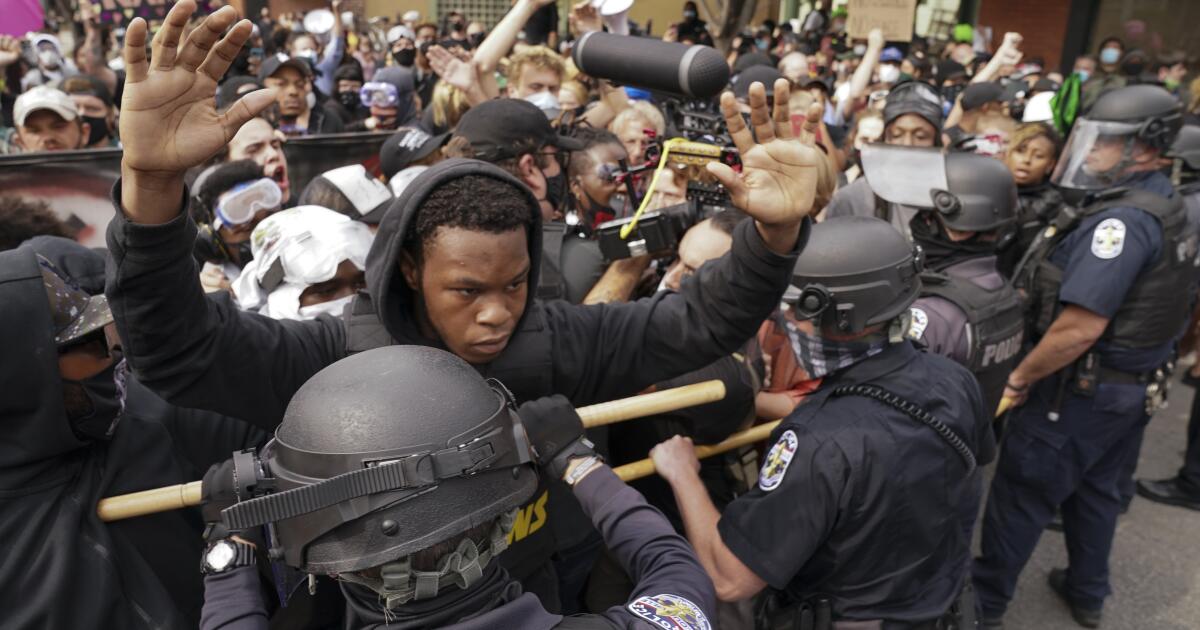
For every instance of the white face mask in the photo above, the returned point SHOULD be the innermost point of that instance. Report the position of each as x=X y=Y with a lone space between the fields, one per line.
x=888 y=73
x=311 y=99
x=860 y=50
x=546 y=102
x=332 y=307
x=48 y=59
x=308 y=53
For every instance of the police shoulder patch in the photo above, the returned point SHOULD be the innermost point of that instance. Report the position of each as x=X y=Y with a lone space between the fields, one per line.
x=917 y=323
x=1108 y=239
x=777 y=461
x=670 y=612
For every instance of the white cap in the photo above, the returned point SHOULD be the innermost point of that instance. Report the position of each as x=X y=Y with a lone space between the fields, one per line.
x=411 y=16
x=45 y=38
x=1038 y=109
x=395 y=33
x=43 y=97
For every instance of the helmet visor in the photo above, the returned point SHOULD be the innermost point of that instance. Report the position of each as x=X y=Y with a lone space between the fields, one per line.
x=242 y=202
x=1095 y=155
x=904 y=175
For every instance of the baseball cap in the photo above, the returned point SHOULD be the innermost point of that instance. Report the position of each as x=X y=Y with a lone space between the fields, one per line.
x=498 y=129
x=43 y=97
x=809 y=81
x=979 y=94
x=406 y=146
x=749 y=60
x=272 y=64
x=767 y=75
x=891 y=54
x=73 y=313
x=232 y=89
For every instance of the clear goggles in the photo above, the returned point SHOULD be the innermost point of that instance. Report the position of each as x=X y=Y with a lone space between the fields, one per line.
x=379 y=94
x=244 y=201
x=1096 y=155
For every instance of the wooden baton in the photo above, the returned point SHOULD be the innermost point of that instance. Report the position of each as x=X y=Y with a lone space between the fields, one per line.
x=188 y=494
x=645 y=467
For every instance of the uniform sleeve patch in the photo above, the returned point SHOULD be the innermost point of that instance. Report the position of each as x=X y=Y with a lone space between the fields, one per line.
x=1108 y=240
x=670 y=612
x=778 y=460
x=917 y=323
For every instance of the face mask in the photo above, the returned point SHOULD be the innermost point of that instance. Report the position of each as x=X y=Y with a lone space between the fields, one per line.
x=1083 y=75
x=1110 y=56
x=762 y=44
x=244 y=254
x=1133 y=68
x=405 y=57
x=546 y=102
x=556 y=188
x=105 y=393
x=888 y=73
x=308 y=54
x=860 y=50
x=1171 y=84
x=48 y=59
x=311 y=99
x=99 y=129
x=820 y=357
x=332 y=307
x=689 y=15
x=476 y=39
x=349 y=100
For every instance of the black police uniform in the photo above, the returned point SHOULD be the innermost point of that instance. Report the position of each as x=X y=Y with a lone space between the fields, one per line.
x=1036 y=206
x=201 y=351
x=1071 y=449
x=969 y=313
x=672 y=590
x=861 y=502
x=571 y=263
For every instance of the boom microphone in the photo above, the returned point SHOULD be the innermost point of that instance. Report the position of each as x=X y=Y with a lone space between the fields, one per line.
x=696 y=71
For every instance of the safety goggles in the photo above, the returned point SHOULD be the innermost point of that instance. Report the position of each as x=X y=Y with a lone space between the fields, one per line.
x=244 y=201
x=379 y=94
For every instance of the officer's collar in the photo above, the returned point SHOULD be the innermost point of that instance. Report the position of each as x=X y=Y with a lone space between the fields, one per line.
x=895 y=357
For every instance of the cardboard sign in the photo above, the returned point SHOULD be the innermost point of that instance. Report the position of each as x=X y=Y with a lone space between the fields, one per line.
x=122 y=12
x=895 y=17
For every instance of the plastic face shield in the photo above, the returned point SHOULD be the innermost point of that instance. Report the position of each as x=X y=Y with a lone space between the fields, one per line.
x=379 y=94
x=1095 y=155
x=244 y=201
x=904 y=175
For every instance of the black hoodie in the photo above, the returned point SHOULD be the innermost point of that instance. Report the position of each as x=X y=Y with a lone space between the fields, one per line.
x=201 y=351
x=61 y=567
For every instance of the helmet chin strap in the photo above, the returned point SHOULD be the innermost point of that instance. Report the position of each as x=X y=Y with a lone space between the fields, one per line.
x=400 y=584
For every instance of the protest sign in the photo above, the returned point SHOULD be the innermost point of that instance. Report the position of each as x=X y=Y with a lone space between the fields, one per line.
x=895 y=17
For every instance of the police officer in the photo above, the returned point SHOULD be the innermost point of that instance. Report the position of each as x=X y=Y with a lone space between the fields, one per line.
x=453 y=265
x=400 y=470
x=912 y=117
x=1105 y=285
x=1183 y=489
x=852 y=518
x=967 y=311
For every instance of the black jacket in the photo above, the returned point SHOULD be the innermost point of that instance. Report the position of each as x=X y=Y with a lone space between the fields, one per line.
x=201 y=351
x=62 y=567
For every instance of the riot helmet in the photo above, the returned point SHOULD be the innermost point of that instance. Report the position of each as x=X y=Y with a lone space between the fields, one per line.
x=853 y=273
x=387 y=453
x=1186 y=148
x=1115 y=135
x=970 y=192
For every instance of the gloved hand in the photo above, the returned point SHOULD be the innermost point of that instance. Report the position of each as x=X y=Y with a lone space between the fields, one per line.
x=556 y=433
x=217 y=493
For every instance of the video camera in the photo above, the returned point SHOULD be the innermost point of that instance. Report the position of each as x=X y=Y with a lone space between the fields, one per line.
x=657 y=232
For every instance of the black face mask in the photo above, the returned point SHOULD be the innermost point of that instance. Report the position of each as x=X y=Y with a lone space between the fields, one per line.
x=1133 y=68
x=940 y=251
x=476 y=39
x=556 y=189
x=405 y=57
x=99 y=129
x=349 y=100
x=94 y=405
x=244 y=254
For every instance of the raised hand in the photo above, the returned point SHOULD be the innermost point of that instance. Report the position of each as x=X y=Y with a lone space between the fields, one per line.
x=584 y=18
x=778 y=181
x=10 y=50
x=451 y=69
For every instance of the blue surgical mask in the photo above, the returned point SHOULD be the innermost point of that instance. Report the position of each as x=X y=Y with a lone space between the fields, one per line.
x=1083 y=75
x=1110 y=56
x=762 y=44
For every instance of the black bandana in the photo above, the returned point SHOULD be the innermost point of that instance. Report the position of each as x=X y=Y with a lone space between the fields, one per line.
x=493 y=590
x=940 y=251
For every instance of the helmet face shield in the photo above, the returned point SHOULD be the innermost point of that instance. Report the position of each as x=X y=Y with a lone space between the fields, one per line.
x=904 y=175
x=1097 y=154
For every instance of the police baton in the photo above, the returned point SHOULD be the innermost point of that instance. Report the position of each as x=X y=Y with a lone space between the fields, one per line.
x=189 y=494
x=645 y=467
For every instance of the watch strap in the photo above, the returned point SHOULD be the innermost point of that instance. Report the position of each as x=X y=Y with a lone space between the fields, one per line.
x=243 y=556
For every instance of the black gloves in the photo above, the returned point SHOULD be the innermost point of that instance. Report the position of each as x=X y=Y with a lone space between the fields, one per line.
x=556 y=433
x=217 y=493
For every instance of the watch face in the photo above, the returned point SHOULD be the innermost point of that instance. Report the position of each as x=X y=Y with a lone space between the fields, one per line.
x=220 y=555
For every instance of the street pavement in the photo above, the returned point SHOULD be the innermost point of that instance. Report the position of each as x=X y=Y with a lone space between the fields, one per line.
x=1155 y=564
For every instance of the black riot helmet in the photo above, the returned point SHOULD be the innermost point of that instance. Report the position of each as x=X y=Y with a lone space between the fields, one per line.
x=384 y=454
x=970 y=192
x=1103 y=144
x=1187 y=147
x=854 y=272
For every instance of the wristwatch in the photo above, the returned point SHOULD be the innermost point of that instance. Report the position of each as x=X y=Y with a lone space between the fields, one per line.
x=226 y=554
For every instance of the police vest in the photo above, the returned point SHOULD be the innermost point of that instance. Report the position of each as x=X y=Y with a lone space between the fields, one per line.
x=525 y=368
x=1154 y=310
x=551 y=285
x=995 y=328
